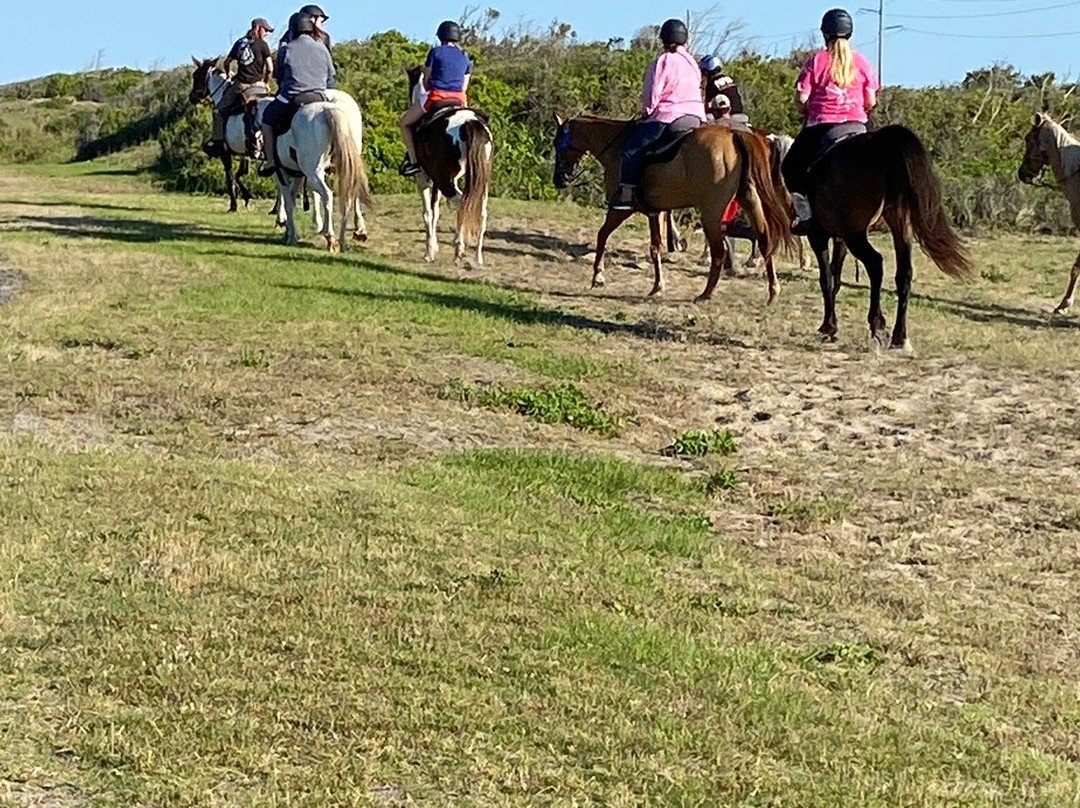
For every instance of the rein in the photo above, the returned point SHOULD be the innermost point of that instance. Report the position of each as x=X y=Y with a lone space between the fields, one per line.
x=221 y=89
x=564 y=142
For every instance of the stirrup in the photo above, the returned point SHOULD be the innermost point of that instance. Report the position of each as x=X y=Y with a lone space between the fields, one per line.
x=623 y=199
x=267 y=169
x=409 y=168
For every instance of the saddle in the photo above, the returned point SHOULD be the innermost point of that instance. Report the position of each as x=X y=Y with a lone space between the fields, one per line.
x=440 y=110
x=664 y=149
x=837 y=135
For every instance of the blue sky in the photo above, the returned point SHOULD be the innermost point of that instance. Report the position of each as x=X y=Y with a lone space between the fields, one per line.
x=939 y=42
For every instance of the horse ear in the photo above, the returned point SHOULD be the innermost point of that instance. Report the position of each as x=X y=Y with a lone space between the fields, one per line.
x=558 y=119
x=196 y=62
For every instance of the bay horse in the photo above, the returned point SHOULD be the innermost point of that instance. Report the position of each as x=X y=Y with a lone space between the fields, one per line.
x=713 y=165
x=452 y=144
x=1048 y=143
x=881 y=175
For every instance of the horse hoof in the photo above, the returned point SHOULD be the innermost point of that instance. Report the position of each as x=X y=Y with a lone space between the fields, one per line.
x=772 y=298
x=598 y=283
x=681 y=245
x=359 y=236
x=904 y=347
x=657 y=291
x=703 y=298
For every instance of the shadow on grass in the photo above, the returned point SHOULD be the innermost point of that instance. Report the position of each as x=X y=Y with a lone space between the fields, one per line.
x=520 y=314
x=992 y=313
x=138 y=231
x=52 y=203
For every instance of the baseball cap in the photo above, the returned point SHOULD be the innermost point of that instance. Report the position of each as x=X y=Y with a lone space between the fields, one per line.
x=260 y=22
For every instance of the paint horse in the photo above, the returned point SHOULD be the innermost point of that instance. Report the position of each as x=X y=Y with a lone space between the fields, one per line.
x=210 y=82
x=706 y=169
x=453 y=143
x=1048 y=144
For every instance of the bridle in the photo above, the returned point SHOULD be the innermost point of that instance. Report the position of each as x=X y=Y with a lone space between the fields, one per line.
x=562 y=143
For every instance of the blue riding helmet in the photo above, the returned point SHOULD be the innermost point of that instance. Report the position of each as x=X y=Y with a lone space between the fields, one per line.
x=710 y=64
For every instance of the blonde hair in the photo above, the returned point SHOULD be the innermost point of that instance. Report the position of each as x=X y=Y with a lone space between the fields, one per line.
x=841 y=62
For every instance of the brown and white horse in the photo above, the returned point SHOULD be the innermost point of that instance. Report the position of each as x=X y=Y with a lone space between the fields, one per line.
x=451 y=146
x=1047 y=143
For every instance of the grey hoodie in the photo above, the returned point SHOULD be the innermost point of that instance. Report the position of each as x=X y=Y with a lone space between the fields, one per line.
x=306 y=66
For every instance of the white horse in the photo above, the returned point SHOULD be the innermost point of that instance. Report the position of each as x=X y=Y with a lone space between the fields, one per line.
x=323 y=134
x=455 y=146
x=1048 y=143
x=332 y=133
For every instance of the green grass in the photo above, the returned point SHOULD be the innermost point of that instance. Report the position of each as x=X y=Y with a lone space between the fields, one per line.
x=256 y=550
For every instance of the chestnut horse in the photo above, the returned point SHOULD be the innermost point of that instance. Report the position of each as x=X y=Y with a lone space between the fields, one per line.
x=881 y=175
x=1049 y=144
x=713 y=165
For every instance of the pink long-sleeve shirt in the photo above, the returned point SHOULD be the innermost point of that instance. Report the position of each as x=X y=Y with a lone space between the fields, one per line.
x=673 y=87
x=828 y=103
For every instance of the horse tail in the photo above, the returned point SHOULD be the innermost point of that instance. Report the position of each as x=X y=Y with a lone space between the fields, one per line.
x=758 y=170
x=913 y=183
x=346 y=156
x=478 y=147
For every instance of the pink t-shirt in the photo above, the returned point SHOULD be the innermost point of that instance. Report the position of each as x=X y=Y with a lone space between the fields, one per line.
x=828 y=103
x=673 y=87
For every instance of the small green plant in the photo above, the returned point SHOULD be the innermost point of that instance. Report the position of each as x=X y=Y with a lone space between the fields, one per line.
x=996 y=275
x=698 y=443
x=253 y=358
x=562 y=404
x=724 y=479
x=138 y=353
x=852 y=655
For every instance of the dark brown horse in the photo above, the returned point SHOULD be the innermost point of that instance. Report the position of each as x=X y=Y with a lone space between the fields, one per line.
x=714 y=164
x=882 y=175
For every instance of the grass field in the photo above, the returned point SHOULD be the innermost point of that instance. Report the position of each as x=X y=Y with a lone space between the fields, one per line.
x=285 y=528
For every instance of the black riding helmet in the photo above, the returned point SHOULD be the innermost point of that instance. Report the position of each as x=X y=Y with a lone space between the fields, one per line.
x=673 y=32
x=837 y=24
x=305 y=24
x=449 y=31
x=314 y=11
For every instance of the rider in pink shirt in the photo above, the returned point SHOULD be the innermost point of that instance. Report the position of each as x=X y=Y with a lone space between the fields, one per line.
x=835 y=90
x=671 y=102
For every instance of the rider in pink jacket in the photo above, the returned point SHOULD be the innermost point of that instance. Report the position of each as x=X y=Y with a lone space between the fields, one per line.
x=671 y=102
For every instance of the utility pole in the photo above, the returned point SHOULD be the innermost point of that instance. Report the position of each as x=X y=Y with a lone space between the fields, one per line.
x=880 y=35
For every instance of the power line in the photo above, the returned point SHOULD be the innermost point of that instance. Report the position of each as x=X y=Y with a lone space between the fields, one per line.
x=990 y=14
x=989 y=36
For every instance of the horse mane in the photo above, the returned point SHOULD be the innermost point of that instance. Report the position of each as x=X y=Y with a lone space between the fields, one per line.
x=1068 y=147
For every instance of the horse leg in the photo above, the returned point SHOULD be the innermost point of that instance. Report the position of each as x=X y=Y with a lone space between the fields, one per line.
x=324 y=204
x=714 y=235
x=287 y=190
x=804 y=259
x=613 y=219
x=1067 y=301
x=483 y=229
x=230 y=181
x=429 y=198
x=901 y=234
x=819 y=243
x=360 y=228
x=860 y=247
x=242 y=171
x=655 y=238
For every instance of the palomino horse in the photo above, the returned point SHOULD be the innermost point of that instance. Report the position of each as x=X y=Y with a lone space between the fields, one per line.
x=209 y=82
x=713 y=165
x=452 y=144
x=1049 y=144
x=885 y=174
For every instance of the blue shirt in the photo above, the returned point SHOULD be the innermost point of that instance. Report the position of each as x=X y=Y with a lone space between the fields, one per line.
x=449 y=66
